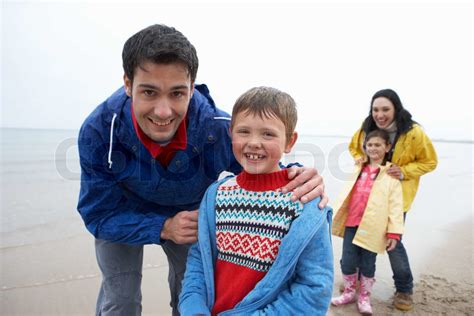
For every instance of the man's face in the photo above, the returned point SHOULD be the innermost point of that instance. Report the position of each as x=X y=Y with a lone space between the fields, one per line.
x=160 y=95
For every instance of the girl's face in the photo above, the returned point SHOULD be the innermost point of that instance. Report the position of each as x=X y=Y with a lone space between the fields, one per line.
x=383 y=112
x=376 y=148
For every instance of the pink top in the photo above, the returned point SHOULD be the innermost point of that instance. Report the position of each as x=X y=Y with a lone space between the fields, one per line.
x=360 y=195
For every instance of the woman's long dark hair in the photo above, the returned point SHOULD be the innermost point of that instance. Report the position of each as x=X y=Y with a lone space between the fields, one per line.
x=402 y=116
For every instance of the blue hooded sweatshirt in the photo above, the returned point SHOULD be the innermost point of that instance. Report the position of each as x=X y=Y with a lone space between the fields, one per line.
x=300 y=281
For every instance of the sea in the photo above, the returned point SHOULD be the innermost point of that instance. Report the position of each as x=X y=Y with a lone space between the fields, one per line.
x=40 y=179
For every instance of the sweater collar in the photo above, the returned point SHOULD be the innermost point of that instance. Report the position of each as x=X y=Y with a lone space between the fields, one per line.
x=264 y=181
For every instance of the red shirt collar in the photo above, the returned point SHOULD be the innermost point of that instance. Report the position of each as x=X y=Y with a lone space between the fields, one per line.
x=263 y=181
x=163 y=153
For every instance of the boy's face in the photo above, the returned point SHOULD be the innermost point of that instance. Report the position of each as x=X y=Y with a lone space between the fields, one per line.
x=258 y=143
x=161 y=95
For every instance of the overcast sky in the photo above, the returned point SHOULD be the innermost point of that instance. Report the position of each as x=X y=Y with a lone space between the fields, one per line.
x=61 y=59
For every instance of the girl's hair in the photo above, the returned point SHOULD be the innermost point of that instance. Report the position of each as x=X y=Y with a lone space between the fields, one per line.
x=378 y=133
x=402 y=116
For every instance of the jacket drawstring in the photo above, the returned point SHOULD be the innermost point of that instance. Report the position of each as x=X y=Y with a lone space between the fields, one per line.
x=109 y=160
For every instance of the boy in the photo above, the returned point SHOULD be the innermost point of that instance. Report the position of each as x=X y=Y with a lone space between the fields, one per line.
x=257 y=251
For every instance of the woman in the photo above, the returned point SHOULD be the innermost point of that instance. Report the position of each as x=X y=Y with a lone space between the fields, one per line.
x=412 y=155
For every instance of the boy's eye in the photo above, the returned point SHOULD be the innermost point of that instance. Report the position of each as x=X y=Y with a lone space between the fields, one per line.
x=268 y=135
x=242 y=131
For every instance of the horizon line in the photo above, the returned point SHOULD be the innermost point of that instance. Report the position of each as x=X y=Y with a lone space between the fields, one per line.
x=435 y=140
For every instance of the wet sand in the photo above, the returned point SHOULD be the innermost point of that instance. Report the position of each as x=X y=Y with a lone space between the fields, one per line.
x=443 y=279
x=61 y=278
x=48 y=263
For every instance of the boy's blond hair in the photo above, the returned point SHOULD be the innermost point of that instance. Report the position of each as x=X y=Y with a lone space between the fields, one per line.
x=268 y=102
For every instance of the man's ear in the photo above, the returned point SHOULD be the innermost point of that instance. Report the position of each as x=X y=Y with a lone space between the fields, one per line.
x=128 y=85
x=291 y=142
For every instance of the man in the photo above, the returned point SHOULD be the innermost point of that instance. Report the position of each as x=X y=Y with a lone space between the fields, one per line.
x=147 y=155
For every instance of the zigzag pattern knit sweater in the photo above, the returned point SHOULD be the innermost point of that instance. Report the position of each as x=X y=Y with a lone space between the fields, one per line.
x=252 y=218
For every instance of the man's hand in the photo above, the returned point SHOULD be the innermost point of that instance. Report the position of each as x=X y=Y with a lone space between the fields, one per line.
x=395 y=172
x=391 y=244
x=306 y=185
x=181 y=228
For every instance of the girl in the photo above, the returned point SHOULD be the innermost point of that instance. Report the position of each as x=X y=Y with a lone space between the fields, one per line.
x=370 y=218
x=412 y=155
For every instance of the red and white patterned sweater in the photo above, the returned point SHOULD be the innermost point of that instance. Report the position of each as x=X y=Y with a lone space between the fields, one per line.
x=252 y=217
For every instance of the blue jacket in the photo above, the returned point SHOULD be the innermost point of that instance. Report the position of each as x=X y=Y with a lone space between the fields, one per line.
x=126 y=195
x=300 y=281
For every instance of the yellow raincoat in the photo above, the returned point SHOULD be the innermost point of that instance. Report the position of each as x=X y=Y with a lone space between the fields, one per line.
x=383 y=214
x=414 y=154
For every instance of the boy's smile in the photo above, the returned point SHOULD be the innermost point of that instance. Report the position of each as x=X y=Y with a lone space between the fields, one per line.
x=258 y=142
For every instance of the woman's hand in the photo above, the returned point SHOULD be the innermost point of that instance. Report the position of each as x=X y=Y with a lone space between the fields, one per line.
x=360 y=161
x=395 y=172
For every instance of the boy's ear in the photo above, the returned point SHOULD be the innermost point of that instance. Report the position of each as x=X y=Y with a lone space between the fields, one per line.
x=128 y=85
x=389 y=146
x=291 y=142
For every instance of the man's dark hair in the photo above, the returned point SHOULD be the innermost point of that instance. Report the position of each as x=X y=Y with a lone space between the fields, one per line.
x=159 y=44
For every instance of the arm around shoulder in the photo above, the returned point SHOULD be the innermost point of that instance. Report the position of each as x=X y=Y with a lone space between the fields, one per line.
x=424 y=153
x=355 y=146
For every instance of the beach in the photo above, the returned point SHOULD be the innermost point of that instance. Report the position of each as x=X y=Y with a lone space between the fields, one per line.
x=48 y=264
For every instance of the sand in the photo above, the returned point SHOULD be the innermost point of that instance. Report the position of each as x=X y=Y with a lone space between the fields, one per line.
x=48 y=263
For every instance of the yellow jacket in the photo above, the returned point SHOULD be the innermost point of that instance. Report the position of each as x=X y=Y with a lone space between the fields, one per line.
x=414 y=154
x=383 y=214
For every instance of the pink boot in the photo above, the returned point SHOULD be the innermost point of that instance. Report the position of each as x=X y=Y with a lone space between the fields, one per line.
x=363 y=302
x=349 y=294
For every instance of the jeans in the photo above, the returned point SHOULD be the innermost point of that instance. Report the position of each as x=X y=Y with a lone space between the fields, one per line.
x=121 y=267
x=355 y=257
x=401 y=269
